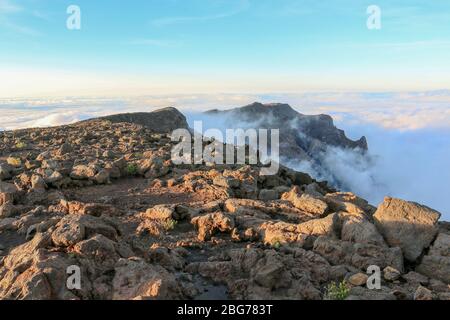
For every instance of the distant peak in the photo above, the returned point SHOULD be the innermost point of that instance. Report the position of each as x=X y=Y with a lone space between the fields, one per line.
x=281 y=109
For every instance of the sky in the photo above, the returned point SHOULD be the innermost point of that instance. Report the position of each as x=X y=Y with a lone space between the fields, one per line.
x=140 y=47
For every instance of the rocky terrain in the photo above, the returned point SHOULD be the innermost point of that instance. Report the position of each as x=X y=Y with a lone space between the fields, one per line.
x=104 y=195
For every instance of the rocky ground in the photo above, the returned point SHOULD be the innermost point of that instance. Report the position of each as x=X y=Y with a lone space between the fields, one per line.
x=104 y=195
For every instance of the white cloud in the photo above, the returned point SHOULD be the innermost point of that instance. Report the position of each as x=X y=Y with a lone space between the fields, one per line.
x=395 y=111
x=7 y=6
x=8 y=9
x=165 y=21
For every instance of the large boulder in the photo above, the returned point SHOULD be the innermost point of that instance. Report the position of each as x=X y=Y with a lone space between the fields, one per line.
x=306 y=202
x=436 y=264
x=407 y=225
x=209 y=224
x=357 y=228
x=359 y=255
x=327 y=226
x=68 y=232
x=136 y=279
x=99 y=249
x=73 y=228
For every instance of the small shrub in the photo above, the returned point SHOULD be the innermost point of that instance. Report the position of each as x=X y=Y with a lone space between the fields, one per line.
x=15 y=162
x=21 y=145
x=132 y=169
x=276 y=244
x=170 y=224
x=72 y=255
x=337 y=291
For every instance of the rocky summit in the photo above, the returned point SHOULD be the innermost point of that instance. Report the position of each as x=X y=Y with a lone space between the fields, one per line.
x=97 y=210
x=310 y=139
x=301 y=136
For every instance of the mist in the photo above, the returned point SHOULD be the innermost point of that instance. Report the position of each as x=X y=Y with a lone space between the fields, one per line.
x=409 y=164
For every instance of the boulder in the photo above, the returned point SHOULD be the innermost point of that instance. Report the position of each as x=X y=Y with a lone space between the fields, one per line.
x=328 y=226
x=436 y=264
x=54 y=178
x=31 y=271
x=267 y=195
x=391 y=274
x=359 y=255
x=423 y=293
x=8 y=224
x=134 y=278
x=92 y=209
x=153 y=163
x=407 y=225
x=415 y=278
x=5 y=172
x=278 y=233
x=226 y=182
x=161 y=212
x=358 y=279
x=73 y=228
x=306 y=202
x=102 y=177
x=21 y=257
x=209 y=224
x=348 y=202
x=64 y=149
x=83 y=172
x=98 y=248
x=38 y=183
x=441 y=246
x=269 y=274
x=241 y=205
x=167 y=258
x=8 y=192
x=68 y=232
x=357 y=228
x=8 y=210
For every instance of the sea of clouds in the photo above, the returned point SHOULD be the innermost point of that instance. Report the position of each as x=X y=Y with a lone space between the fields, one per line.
x=408 y=133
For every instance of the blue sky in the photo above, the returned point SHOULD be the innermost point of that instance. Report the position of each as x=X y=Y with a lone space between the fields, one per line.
x=206 y=46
